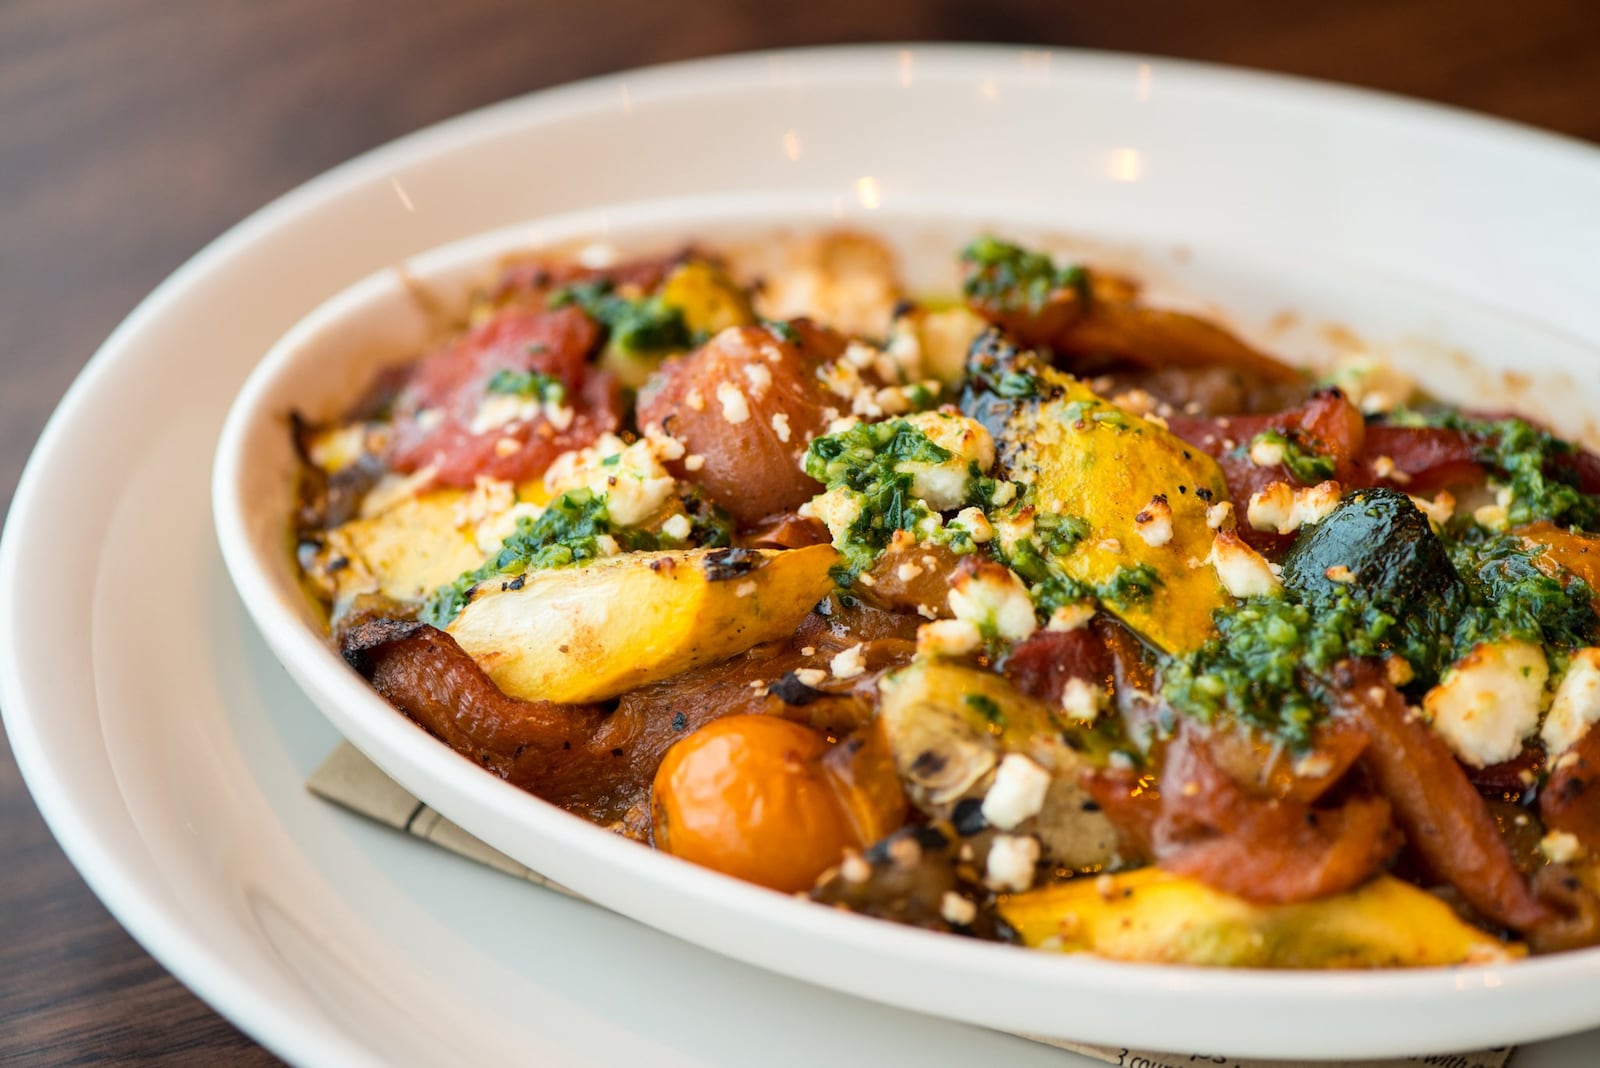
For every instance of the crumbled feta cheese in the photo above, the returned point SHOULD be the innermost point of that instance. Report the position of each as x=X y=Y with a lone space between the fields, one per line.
x=956 y=910
x=944 y=485
x=664 y=445
x=838 y=508
x=907 y=571
x=502 y=409
x=975 y=523
x=1082 y=701
x=780 y=426
x=1489 y=701
x=849 y=663
x=947 y=637
x=759 y=377
x=635 y=483
x=1242 y=571
x=559 y=416
x=489 y=497
x=607 y=545
x=812 y=677
x=994 y=600
x=1385 y=467
x=1004 y=494
x=735 y=409
x=695 y=400
x=1281 y=507
x=677 y=527
x=1439 y=510
x=1109 y=545
x=1219 y=515
x=693 y=462
x=1576 y=705
x=1560 y=847
x=1071 y=616
x=1370 y=383
x=1011 y=863
x=1017 y=793
x=1154 y=522
x=1492 y=516
x=1264 y=453
x=1339 y=573
x=854 y=869
x=1013 y=529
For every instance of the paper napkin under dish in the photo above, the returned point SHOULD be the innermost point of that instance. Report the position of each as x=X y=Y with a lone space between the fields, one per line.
x=349 y=779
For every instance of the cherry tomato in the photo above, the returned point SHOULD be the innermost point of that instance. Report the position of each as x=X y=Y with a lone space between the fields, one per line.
x=747 y=795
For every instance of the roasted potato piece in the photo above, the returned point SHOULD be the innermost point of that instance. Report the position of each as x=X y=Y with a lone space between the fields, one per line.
x=744 y=405
x=950 y=725
x=592 y=632
x=1152 y=916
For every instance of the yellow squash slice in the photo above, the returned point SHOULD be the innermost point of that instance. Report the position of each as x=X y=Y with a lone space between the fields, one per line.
x=1086 y=457
x=1152 y=916
x=592 y=632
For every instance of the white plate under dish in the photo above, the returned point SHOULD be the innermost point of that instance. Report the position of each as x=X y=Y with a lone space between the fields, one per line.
x=166 y=749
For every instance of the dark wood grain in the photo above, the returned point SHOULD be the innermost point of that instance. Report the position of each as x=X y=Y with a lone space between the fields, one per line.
x=133 y=131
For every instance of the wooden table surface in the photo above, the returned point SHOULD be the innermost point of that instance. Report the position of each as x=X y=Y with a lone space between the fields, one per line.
x=134 y=131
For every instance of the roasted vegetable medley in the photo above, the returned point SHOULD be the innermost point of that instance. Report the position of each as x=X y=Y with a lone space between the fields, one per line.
x=1032 y=613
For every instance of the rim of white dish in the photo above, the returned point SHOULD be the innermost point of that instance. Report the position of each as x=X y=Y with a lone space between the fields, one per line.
x=152 y=921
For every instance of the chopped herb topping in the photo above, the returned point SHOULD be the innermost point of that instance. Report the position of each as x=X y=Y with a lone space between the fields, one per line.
x=986 y=707
x=642 y=325
x=1265 y=666
x=565 y=534
x=1010 y=276
x=1300 y=456
x=528 y=384
x=1535 y=466
x=868 y=461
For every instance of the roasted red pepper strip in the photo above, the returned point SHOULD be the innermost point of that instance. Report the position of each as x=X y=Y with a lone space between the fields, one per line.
x=1265 y=850
x=1327 y=424
x=1444 y=817
x=1041 y=665
x=1570 y=800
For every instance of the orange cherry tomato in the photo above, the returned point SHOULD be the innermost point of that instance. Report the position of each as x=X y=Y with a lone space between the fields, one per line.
x=747 y=795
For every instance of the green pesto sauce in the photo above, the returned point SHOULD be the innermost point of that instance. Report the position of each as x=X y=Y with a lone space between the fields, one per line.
x=1011 y=277
x=646 y=325
x=865 y=460
x=1530 y=462
x=987 y=707
x=529 y=384
x=565 y=534
x=1036 y=560
x=1304 y=462
x=1265 y=666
